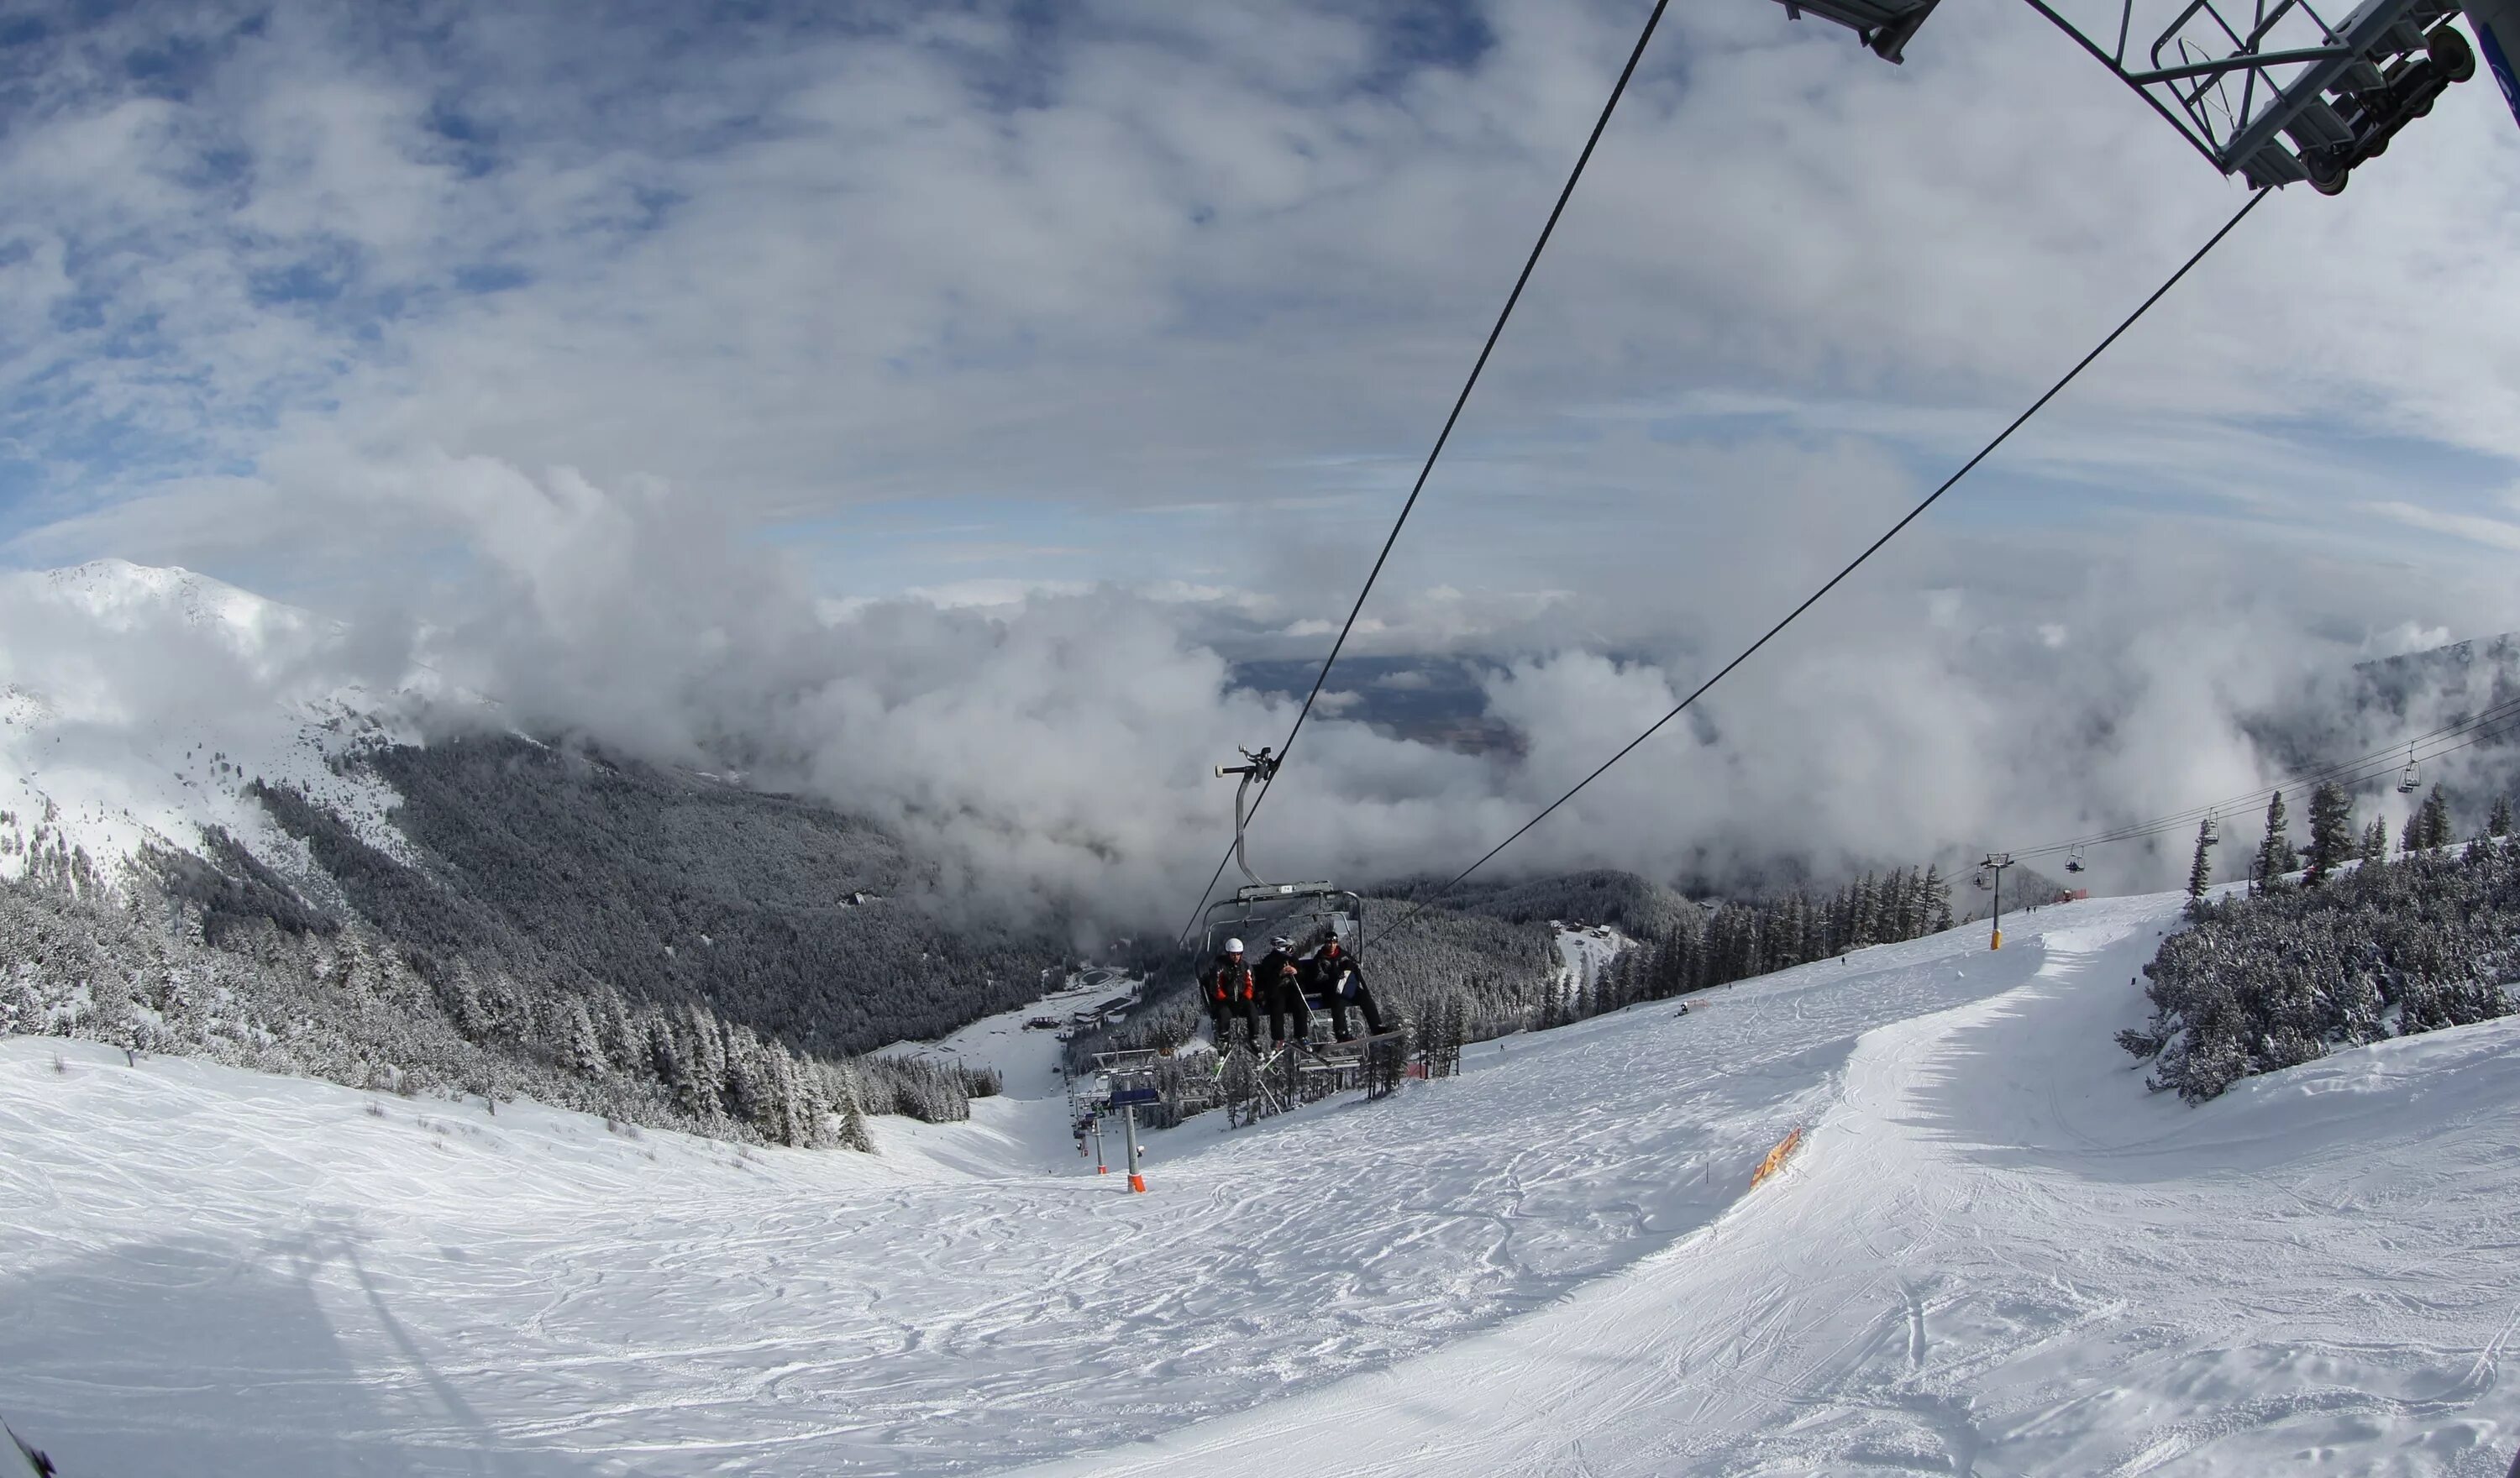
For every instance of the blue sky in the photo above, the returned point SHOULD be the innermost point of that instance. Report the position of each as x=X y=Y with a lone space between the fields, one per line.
x=1086 y=292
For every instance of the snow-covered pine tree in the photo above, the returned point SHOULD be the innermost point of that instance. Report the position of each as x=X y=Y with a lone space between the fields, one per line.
x=2275 y=856
x=853 y=1132
x=1938 y=899
x=2200 y=871
x=2436 y=817
x=2331 y=831
x=704 y=1064
x=579 y=1052
x=2498 y=824
x=2376 y=842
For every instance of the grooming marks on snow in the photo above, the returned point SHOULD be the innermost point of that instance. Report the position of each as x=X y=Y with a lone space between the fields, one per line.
x=1994 y=1254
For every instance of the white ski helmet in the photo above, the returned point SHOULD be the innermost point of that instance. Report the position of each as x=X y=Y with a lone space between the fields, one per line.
x=1281 y=942
x=1234 y=946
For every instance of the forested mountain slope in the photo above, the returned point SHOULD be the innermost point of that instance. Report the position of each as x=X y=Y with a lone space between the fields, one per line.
x=521 y=920
x=789 y=917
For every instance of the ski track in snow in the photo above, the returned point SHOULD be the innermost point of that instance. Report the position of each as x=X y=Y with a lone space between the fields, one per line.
x=1994 y=1254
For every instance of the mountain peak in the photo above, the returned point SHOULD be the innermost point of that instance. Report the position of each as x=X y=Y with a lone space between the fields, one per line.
x=120 y=594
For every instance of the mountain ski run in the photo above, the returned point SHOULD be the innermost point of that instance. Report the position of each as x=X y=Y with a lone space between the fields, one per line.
x=1991 y=1253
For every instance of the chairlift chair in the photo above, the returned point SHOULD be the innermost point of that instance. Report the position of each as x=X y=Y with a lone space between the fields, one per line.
x=2210 y=835
x=1982 y=883
x=1258 y=909
x=2074 y=861
x=2406 y=780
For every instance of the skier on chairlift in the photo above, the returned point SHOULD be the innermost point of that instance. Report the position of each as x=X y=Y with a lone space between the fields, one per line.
x=1340 y=985
x=1229 y=991
x=1280 y=979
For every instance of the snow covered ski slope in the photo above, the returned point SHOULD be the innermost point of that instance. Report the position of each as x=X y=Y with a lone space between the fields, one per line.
x=1993 y=1254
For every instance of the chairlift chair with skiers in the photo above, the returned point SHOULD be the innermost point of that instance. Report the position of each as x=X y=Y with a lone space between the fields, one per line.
x=1299 y=916
x=2074 y=861
x=1257 y=909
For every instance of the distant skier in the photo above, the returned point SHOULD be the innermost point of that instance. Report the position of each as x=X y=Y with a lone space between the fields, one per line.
x=1229 y=992
x=1340 y=985
x=1279 y=977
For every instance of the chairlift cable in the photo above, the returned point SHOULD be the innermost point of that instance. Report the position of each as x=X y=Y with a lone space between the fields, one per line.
x=2383 y=759
x=1567 y=193
x=2500 y=727
x=2492 y=722
x=1858 y=562
x=2504 y=726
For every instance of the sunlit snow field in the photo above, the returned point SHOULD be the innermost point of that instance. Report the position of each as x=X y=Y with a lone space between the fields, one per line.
x=1994 y=1254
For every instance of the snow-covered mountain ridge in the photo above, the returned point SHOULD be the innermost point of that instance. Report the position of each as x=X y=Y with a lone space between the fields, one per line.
x=137 y=703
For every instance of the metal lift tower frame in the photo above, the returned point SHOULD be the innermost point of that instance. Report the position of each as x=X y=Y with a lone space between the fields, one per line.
x=2273 y=91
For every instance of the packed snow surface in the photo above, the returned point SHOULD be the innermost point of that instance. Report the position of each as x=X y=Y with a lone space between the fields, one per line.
x=1994 y=1253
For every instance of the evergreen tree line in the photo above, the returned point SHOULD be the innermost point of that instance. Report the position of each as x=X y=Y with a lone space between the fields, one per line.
x=2286 y=974
x=1639 y=906
x=2334 y=839
x=153 y=969
x=1736 y=941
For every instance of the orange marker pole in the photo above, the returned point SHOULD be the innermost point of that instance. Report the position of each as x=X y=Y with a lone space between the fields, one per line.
x=1129 y=1127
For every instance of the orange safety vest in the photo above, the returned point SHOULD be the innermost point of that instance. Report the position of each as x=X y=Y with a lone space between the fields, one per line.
x=1223 y=988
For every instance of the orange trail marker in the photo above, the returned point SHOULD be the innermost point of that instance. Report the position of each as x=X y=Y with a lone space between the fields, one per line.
x=1775 y=1159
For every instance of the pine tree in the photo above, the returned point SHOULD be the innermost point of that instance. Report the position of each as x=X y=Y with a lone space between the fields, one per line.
x=2200 y=871
x=2410 y=837
x=577 y=1047
x=2376 y=842
x=1938 y=899
x=2331 y=831
x=2275 y=856
x=2436 y=815
x=2499 y=823
x=853 y=1132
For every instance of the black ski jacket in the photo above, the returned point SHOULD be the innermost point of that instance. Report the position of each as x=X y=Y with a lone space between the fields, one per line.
x=1324 y=975
x=1273 y=971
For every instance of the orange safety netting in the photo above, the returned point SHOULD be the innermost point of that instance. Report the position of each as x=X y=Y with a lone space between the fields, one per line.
x=1775 y=1158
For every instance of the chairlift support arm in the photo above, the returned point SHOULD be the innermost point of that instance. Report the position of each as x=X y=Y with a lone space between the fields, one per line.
x=2273 y=91
x=1263 y=768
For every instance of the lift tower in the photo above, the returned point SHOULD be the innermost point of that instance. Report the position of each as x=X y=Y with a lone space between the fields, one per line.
x=2275 y=91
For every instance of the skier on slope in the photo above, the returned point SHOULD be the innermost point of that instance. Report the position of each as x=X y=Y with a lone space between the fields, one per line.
x=1230 y=992
x=1340 y=985
x=1281 y=978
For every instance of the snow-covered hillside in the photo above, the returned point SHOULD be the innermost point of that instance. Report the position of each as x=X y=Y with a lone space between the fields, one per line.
x=1994 y=1254
x=1585 y=953
x=136 y=703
